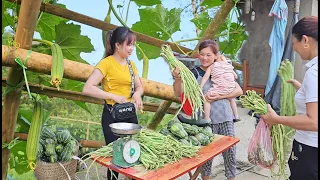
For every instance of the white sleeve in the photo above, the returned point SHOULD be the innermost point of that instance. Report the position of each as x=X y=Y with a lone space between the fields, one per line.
x=310 y=84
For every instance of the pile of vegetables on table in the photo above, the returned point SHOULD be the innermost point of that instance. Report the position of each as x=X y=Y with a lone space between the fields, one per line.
x=188 y=134
x=171 y=144
x=57 y=146
x=158 y=150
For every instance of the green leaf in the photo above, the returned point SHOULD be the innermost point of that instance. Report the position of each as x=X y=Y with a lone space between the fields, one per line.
x=202 y=22
x=46 y=26
x=7 y=19
x=22 y=122
x=119 y=6
x=25 y=119
x=50 y=1
x=72 y=43
x=72 y=85
x=82 y=105
x=211 y=3
x=5 y=38
x=18 y=158
x=47 y=115
x=9 y=177
x=146 y=2
x=41 y=48
x=157 y=22
x=37 y=78
x=152 y=52
x=234 y=45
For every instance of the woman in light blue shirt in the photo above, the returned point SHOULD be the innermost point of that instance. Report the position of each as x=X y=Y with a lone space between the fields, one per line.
x=303 y=161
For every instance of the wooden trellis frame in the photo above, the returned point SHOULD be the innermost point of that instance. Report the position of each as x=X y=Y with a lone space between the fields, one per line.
x=28 y=16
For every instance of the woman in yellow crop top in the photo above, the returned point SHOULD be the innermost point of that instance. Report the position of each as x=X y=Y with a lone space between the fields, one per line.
x=114 y=74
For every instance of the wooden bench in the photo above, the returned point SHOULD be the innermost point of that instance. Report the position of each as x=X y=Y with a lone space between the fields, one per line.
x=246 y=75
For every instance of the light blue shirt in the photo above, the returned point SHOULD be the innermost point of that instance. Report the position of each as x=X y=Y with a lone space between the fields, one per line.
x=279 y=11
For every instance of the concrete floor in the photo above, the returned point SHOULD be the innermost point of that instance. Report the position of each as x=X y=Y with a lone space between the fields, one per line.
x=245 y=171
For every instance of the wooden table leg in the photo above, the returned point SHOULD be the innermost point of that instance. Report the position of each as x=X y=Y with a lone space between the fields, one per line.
x=190 y=174
x=196 y=173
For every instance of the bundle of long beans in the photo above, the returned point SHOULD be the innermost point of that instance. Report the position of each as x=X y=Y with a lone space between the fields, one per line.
x=191 y=88
x=103 y=152
x=258 y=154
x=282 y=135
x=288 y=91
x=158 y=149
x=254 y=101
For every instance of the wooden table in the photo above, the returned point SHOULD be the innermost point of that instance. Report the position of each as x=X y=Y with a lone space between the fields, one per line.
x=174 y=170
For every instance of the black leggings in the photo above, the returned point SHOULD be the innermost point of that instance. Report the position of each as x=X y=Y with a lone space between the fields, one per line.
x=108 y=135
x=304 y=164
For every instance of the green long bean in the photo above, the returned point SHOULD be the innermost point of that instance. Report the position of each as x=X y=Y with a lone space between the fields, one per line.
x=191 y=88
x=282 y=135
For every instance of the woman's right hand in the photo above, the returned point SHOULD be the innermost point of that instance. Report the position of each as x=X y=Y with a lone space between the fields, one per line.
x=295 y=83
x=176 y=73
x=119 y=99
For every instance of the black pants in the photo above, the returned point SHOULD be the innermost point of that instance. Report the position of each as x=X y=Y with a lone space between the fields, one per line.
x=303 y=162
x=108 y=135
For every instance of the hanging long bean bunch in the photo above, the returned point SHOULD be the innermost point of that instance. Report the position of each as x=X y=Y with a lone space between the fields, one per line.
x=288 y=91
x=282 y=135
x=191 y=88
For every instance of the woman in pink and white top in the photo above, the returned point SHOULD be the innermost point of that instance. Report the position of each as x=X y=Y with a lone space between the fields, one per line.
x=303 y=162
x=223 y=79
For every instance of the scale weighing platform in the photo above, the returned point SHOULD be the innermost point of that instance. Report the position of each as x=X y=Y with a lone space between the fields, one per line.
x=126 y=151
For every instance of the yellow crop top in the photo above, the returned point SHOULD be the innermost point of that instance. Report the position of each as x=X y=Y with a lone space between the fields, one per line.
x=117 y=78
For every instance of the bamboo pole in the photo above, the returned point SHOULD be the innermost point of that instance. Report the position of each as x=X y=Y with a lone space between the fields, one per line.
x=84 y=143
x=215 y=24
x=99 y=24
x=75 y=120
x=158 y=116
x=41 y=63
x=78 y=96
x=28 y=16
x=88 y=131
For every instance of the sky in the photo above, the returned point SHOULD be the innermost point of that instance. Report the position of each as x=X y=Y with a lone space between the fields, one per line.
x=158 y=68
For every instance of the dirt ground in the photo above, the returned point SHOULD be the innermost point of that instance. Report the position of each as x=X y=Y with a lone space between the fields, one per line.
x=245 y=171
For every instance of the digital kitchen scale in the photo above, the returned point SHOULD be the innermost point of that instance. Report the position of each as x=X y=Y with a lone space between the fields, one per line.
x=126 y=151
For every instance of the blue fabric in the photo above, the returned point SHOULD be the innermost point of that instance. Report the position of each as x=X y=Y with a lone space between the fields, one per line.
x=279 y=12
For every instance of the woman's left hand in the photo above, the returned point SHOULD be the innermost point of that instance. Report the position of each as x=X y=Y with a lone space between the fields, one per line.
x=210 y=98
x=136 y=98
x=271 y=117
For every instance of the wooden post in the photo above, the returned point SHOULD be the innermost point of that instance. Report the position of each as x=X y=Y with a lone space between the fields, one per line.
x=88 y=130
x=158 y=116
x=28 y=17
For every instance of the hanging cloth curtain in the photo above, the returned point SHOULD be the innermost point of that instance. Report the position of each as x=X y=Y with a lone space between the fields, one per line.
x=273 y=97
x=279 y=12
